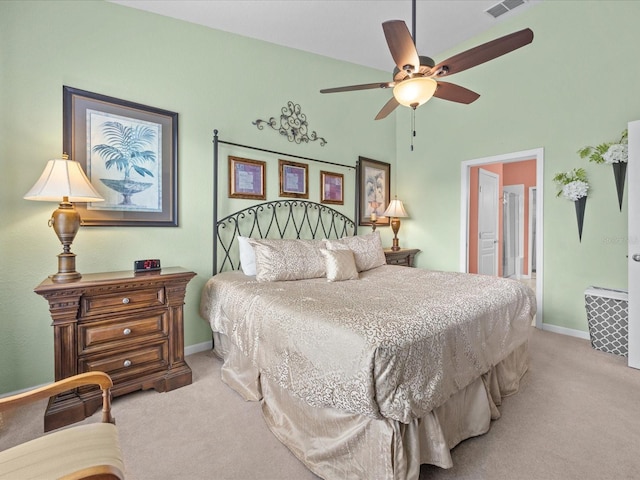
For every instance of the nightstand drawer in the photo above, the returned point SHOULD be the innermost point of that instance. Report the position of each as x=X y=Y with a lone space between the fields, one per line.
x=98 y=335
x=403 y=257
x=127 y=363
x=122 y=301
x=399 y=260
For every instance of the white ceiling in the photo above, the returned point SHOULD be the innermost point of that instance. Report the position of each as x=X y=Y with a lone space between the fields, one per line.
x=349 y=30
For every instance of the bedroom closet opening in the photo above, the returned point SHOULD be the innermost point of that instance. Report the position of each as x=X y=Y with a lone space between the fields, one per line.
x=501 y=218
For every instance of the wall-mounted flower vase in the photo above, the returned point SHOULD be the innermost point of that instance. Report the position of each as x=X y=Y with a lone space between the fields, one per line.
x=614 y=153
x=574 y=186
x=581 y=203
x=620 y=173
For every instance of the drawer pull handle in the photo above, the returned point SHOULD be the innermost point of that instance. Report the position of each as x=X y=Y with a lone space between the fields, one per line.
x=126 y=331
x=125 y=300
x=127 y=363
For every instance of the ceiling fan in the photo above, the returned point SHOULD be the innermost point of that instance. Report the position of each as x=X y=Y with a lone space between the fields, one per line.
x=416 y=77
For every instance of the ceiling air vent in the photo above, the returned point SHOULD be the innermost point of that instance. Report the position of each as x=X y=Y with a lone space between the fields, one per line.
x=503 y=7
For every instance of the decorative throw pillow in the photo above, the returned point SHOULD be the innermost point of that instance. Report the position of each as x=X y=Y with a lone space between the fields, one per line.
x=367 y=249
x=288 y=259
x=247 y=256
x=340 y=265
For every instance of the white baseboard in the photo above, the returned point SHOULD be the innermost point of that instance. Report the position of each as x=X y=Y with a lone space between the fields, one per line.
x=566 y=331
x=198 y=347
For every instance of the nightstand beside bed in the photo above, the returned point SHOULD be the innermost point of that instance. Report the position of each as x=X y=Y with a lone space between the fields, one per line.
x=127 y=325
x=403 y=257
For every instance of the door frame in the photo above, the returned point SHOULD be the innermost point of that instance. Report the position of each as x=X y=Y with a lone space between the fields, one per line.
x=533 y=192
x=465 y=167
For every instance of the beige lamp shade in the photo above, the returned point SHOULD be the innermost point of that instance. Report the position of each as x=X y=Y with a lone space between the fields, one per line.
x=413 y=92
x=395 y=209
x=63 y=178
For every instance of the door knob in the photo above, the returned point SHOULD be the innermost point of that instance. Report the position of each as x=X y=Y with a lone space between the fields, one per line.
x=636 y=257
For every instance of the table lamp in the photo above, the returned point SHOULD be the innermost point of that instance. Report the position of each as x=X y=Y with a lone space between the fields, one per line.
x=395 y=210
x=64 y=181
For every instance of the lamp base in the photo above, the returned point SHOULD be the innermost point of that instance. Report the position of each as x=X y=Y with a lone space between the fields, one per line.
x=395 y=226
x=66 y=223
x=66 y=269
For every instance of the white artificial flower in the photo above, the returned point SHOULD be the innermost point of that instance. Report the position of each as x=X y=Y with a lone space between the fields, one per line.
x=618 y=152
x=575 y=190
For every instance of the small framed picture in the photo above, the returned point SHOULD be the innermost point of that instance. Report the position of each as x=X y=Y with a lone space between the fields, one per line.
x=294 y=179
x=331 y=188
x=247 y=178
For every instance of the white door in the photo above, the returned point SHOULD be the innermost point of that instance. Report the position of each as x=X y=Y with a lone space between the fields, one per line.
x=488 y=183
x=633 y=178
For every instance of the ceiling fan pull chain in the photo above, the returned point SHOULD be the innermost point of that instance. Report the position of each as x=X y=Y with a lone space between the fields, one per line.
x=413 y=126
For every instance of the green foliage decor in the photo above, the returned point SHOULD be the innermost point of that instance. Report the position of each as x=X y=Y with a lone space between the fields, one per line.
x=597 y=154
x=576 y=180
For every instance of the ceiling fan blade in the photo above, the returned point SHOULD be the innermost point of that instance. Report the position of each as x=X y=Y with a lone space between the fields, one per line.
x=364 y=86
x=455 y=93
x=401 y=45
x=389 y=107
x=483 y=53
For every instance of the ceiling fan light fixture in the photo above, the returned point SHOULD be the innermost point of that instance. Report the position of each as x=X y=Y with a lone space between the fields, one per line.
x=415 y=91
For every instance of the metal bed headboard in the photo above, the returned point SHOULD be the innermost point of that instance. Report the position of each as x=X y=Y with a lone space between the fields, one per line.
x=293 y=218
x=285 y=219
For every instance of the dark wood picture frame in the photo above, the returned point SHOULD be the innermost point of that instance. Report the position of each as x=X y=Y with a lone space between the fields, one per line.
x=294 y=179
x=331 y=188
x=247 y=178
x=139 y=182
x=374 y=190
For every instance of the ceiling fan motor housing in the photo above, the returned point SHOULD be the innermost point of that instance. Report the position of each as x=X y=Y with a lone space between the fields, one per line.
x=426 y=64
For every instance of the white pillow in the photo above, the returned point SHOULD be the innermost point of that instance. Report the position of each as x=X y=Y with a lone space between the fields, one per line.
x=340 y=265
x=247 y=256
x=286 y=259
x=367 y=249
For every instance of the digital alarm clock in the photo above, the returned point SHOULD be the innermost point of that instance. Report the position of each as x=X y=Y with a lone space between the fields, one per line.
x=146 y=265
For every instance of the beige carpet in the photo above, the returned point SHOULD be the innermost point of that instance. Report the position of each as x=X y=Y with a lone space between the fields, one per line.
x=577 y=416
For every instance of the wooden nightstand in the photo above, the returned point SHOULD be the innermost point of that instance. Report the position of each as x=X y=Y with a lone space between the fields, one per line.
x=403 y=257
x=127 y=325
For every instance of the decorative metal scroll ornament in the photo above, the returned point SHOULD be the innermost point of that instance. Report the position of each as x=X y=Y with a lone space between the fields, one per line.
x=293 y=125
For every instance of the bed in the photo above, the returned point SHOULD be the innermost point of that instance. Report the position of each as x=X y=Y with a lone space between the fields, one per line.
x=371 y=374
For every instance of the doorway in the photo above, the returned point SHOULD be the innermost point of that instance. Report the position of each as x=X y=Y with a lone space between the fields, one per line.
x=534 y=253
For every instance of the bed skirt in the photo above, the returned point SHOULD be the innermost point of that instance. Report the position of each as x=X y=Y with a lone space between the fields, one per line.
x=338 y=444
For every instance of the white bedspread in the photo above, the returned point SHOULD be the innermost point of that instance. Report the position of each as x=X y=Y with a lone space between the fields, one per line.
x=394 y=344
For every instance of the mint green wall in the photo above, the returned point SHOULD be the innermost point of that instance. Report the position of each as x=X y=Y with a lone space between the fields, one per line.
x=211 y=78
x=575 y=85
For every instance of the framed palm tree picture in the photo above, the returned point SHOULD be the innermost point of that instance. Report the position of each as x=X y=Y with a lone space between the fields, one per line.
x=129 y=152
